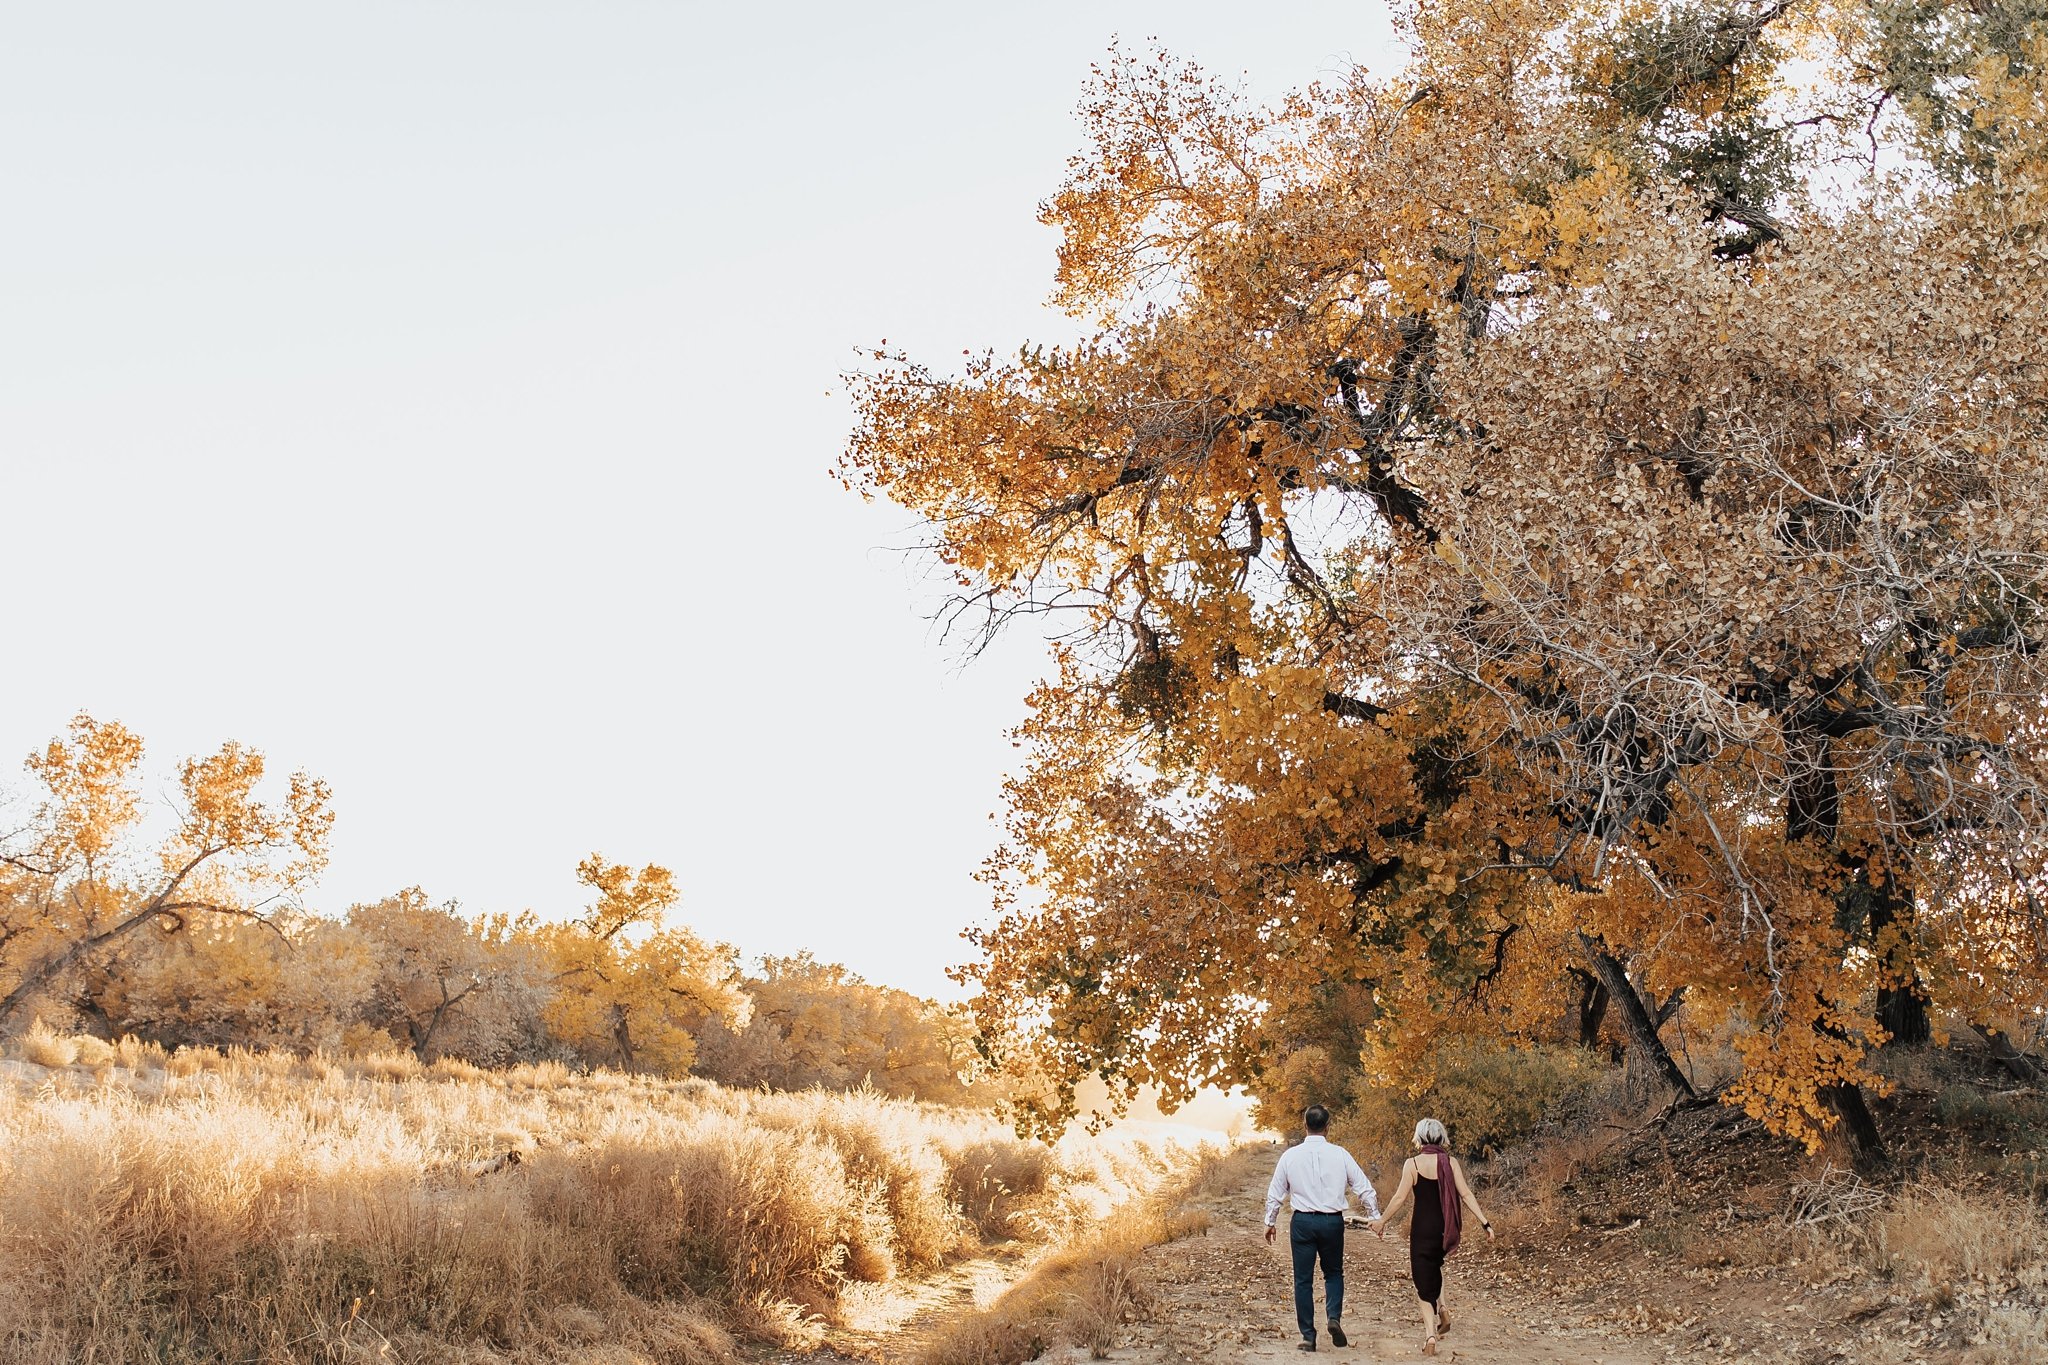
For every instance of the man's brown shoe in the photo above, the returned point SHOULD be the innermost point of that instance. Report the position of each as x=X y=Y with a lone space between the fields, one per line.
x=1337 y=1337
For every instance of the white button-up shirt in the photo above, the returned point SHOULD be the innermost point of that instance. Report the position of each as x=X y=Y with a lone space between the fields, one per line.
x=1318 y=1177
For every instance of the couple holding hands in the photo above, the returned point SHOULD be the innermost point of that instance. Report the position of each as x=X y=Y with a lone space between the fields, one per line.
x=1317 y=1178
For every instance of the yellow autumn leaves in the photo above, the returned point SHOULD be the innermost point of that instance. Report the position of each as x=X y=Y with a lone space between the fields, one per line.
x=1569 y=493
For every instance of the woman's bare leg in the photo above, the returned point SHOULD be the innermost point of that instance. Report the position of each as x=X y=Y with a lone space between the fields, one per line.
x=1428 y=1321
x=1443 y=1317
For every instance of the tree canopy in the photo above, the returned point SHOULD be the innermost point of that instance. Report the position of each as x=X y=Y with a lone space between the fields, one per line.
x=1574 y=505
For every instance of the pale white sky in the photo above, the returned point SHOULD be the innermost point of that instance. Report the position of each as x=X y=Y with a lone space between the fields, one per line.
x=440 y=397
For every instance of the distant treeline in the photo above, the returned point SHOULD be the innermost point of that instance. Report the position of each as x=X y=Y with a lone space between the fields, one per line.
x=197 y=941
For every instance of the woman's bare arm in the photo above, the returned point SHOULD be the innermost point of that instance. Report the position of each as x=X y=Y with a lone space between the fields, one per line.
x=1471 y=1199
x=1400 y=1198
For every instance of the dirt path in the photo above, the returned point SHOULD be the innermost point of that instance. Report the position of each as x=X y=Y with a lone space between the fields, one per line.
x=1228 y=1297
x=1672 y=1248
x=1225 y=1297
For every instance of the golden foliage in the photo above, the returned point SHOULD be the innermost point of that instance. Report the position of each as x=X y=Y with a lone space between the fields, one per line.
x=471 y=988
x=80 y=884
x=199 y=939
x=1556 y=506
x=635 y=993
x=817 y=1024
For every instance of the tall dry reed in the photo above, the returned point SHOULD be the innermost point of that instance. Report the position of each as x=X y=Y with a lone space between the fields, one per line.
x=208 y=1207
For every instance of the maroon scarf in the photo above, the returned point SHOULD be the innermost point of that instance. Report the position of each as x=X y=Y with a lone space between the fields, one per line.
x=1447 y=1194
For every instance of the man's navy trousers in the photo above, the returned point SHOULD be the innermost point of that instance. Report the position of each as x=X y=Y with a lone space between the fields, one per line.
x=1312 y=1236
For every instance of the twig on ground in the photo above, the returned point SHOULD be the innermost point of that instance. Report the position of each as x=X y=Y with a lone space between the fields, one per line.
x=1834 y=1196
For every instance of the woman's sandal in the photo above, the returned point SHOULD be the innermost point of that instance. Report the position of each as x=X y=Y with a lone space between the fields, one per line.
x=1429 y=1346
x=1443 y=1323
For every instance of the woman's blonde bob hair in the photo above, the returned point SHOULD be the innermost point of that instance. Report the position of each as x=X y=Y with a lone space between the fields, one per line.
x=1429 y=1131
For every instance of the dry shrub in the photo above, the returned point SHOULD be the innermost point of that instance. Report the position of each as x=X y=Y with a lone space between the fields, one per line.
x=994 y=1180
x=45 y=1047
x=887 y=1146
x=2018 y=1118
x=1538 y=1173
x=389 y=1066
x=249 y=1206
x=538 y=1075
x=1490 y=1095
x=455 y=1069
x=720 y=1208
x=1949 y=1235
x=136 y=1055
x=1913 y=1070
x=1009 y=1337
x=778 y=1320
x=96 y=1053
x=664 y=1336
x=1108 y=1291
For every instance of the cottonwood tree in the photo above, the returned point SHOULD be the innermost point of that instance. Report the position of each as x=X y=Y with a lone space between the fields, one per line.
x=1575 y=506
x=83 y=884
x=292 y=982
x=627 y=990
x=814 y=1023
x=445 y=984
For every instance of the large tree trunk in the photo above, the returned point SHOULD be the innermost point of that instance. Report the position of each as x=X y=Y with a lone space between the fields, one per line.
x=422 y=1039
x=622 y=1038
x=1902 y=1012
x=1593 y=1000
x=423 y=1034
x=1866 y=1144
x=1901 y=1000
x=2023 y=1067
x=1645 y=1047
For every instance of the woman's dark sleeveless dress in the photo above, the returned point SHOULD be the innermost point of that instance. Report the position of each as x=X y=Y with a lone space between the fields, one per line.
x=1426 y=1239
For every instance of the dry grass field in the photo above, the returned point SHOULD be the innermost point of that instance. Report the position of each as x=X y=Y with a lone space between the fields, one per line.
x=264 y=1207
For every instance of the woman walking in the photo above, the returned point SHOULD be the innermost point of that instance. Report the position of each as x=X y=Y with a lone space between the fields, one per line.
x=1437 y=1183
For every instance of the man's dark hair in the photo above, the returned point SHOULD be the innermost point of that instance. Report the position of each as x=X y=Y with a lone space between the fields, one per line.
x=1317 y=1119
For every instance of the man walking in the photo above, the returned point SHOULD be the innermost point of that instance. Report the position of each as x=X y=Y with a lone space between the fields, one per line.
x=1318 y=1179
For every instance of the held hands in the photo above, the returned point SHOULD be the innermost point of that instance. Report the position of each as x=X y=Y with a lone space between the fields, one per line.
x=1379 y=1228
